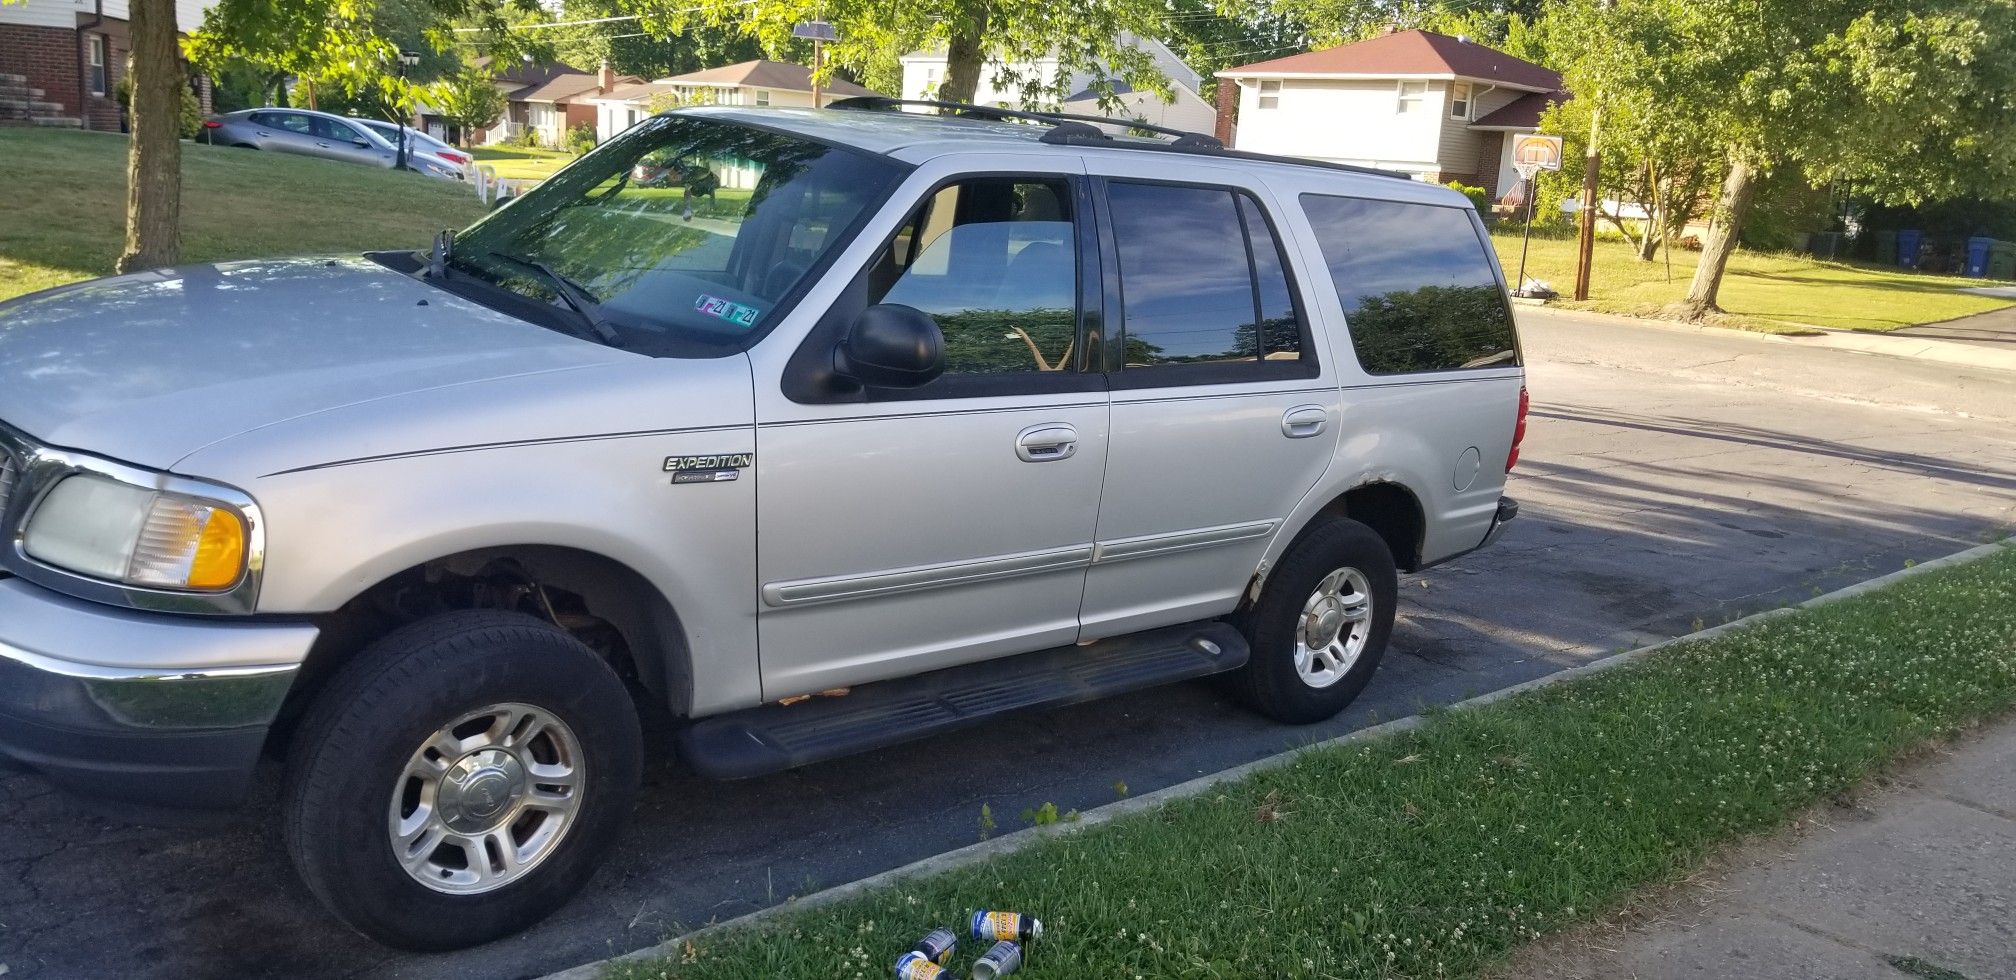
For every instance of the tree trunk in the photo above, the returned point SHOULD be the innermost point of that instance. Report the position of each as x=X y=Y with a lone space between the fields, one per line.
x=1655 y=215
x=965 y=57
x=154 y=156
x=1730 y=209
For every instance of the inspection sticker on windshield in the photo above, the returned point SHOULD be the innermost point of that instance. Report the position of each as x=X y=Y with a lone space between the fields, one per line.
x=733 y=312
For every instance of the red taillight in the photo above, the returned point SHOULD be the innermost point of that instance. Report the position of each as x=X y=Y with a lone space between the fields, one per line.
x=1518 y=431
x=212 y=124
x=452 y=157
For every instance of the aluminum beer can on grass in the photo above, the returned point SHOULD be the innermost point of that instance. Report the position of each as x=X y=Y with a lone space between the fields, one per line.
x=1003 y=959
x=988 y=926
x=937 y=946
x=916 y=966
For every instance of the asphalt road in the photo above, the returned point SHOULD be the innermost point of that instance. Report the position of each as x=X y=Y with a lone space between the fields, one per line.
x=1671 y=479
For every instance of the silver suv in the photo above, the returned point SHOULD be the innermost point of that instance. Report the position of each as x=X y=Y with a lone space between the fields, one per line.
x=813 y=430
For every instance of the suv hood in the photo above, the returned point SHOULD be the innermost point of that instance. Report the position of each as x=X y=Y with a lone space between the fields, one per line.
x=152 y=366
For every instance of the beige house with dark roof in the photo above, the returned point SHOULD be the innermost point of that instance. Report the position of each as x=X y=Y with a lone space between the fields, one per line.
x=1436 y=107
x=750 y=83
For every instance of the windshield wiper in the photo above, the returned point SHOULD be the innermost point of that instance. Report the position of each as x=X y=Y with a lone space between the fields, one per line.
x=584 y=304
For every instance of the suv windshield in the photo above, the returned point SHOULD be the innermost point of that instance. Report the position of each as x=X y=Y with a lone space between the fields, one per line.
x=687 y=234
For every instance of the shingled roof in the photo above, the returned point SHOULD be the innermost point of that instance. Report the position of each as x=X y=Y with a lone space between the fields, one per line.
x=1407 y=54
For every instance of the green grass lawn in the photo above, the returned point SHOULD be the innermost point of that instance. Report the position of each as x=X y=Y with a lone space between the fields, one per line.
x=1436 y=852
x=1759 y=291
x=65 y=195
x=522 y=163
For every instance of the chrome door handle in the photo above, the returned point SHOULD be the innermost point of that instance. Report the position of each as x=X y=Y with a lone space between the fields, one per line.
x=1045 y=443
x=1304 y=421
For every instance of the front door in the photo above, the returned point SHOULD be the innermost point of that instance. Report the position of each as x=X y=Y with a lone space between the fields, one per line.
x=1223 y=415
x=903 y=531
x=339 y=141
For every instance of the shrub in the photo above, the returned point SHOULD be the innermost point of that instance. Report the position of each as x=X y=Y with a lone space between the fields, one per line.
x=1478 y=199
x=189 y=122
x=580 y=139
x=526 y=137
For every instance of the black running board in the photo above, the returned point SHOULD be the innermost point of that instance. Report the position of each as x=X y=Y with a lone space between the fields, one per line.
x=775 y=737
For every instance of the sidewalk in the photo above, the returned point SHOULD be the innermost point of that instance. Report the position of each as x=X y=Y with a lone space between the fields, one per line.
x=1917 y=881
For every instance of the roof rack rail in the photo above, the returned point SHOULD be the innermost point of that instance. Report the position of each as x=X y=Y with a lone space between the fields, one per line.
x=1071 y=129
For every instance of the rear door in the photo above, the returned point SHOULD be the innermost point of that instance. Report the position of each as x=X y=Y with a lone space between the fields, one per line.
x=1224 y=415
x=285 y=132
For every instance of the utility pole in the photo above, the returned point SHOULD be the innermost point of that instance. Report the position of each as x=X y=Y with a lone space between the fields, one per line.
x=1585 y=231
x=819 y=32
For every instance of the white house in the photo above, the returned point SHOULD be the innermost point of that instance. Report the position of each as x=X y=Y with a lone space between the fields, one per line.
x=61 y=60
x=1437 y=107
x=924 y=71
x=750 y=83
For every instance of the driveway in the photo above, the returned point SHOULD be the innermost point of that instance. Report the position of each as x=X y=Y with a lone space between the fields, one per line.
x=1995 y=329
x=1671 y=479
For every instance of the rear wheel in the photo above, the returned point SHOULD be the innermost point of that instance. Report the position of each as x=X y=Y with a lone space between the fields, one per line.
x=1321 y=624
x=461 y=779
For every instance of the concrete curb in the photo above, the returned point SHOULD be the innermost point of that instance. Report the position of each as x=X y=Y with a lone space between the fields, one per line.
x=1009 y=843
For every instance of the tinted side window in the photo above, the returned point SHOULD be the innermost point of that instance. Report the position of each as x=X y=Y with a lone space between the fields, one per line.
x=995 y=261
x=1202 y=280
x=330 y=129
x=293 y=122
x=1416 y=285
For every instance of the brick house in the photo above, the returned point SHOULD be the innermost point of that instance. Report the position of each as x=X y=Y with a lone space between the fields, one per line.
x=1435 y=107
x=68 y=57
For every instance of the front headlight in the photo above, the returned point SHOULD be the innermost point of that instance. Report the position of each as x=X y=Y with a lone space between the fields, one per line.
x=111 y=530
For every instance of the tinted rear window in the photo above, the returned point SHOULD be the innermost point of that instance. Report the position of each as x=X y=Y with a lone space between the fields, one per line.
x=1416 y=284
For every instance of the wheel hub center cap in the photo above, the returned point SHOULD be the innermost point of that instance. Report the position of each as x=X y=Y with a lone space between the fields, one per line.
x=1325 y=621
x=480 y=791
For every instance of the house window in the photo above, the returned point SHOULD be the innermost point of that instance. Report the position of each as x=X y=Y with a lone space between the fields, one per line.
x=762 y=97
x=1459 y=100
x=1270 y=95
x=94 y=47
x=1411 y=94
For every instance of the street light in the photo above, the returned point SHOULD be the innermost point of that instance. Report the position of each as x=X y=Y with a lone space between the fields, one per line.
x=407 y=59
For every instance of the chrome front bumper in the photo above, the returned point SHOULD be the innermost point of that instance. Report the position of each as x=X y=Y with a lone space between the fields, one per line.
x=124 y=706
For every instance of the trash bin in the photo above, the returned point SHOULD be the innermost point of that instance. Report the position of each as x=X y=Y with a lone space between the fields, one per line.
x=1977 y=256
x=1886 y=248
x=1909 y=240
x=2002 y=260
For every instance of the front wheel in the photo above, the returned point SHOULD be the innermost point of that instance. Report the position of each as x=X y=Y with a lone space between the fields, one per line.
x=461 y=779
x=1321 y=624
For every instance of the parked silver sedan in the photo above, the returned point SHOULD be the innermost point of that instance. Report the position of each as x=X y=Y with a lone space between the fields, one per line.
x=316 y=134
x=423 y=152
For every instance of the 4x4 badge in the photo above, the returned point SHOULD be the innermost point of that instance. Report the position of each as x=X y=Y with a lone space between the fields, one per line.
x=708 y=469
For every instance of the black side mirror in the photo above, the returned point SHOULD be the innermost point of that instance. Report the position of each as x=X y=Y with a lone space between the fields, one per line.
x=891 y=346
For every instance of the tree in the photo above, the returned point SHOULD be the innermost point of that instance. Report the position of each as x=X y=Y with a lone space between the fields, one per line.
x=1213 y=35
x=1903 y=100
x=1085 y=37
x=154 y=154
x=632 y=51
x=469 y=100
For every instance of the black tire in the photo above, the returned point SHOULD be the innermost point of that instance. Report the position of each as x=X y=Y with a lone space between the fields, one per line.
x=1270 y=683
x=357 y=739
